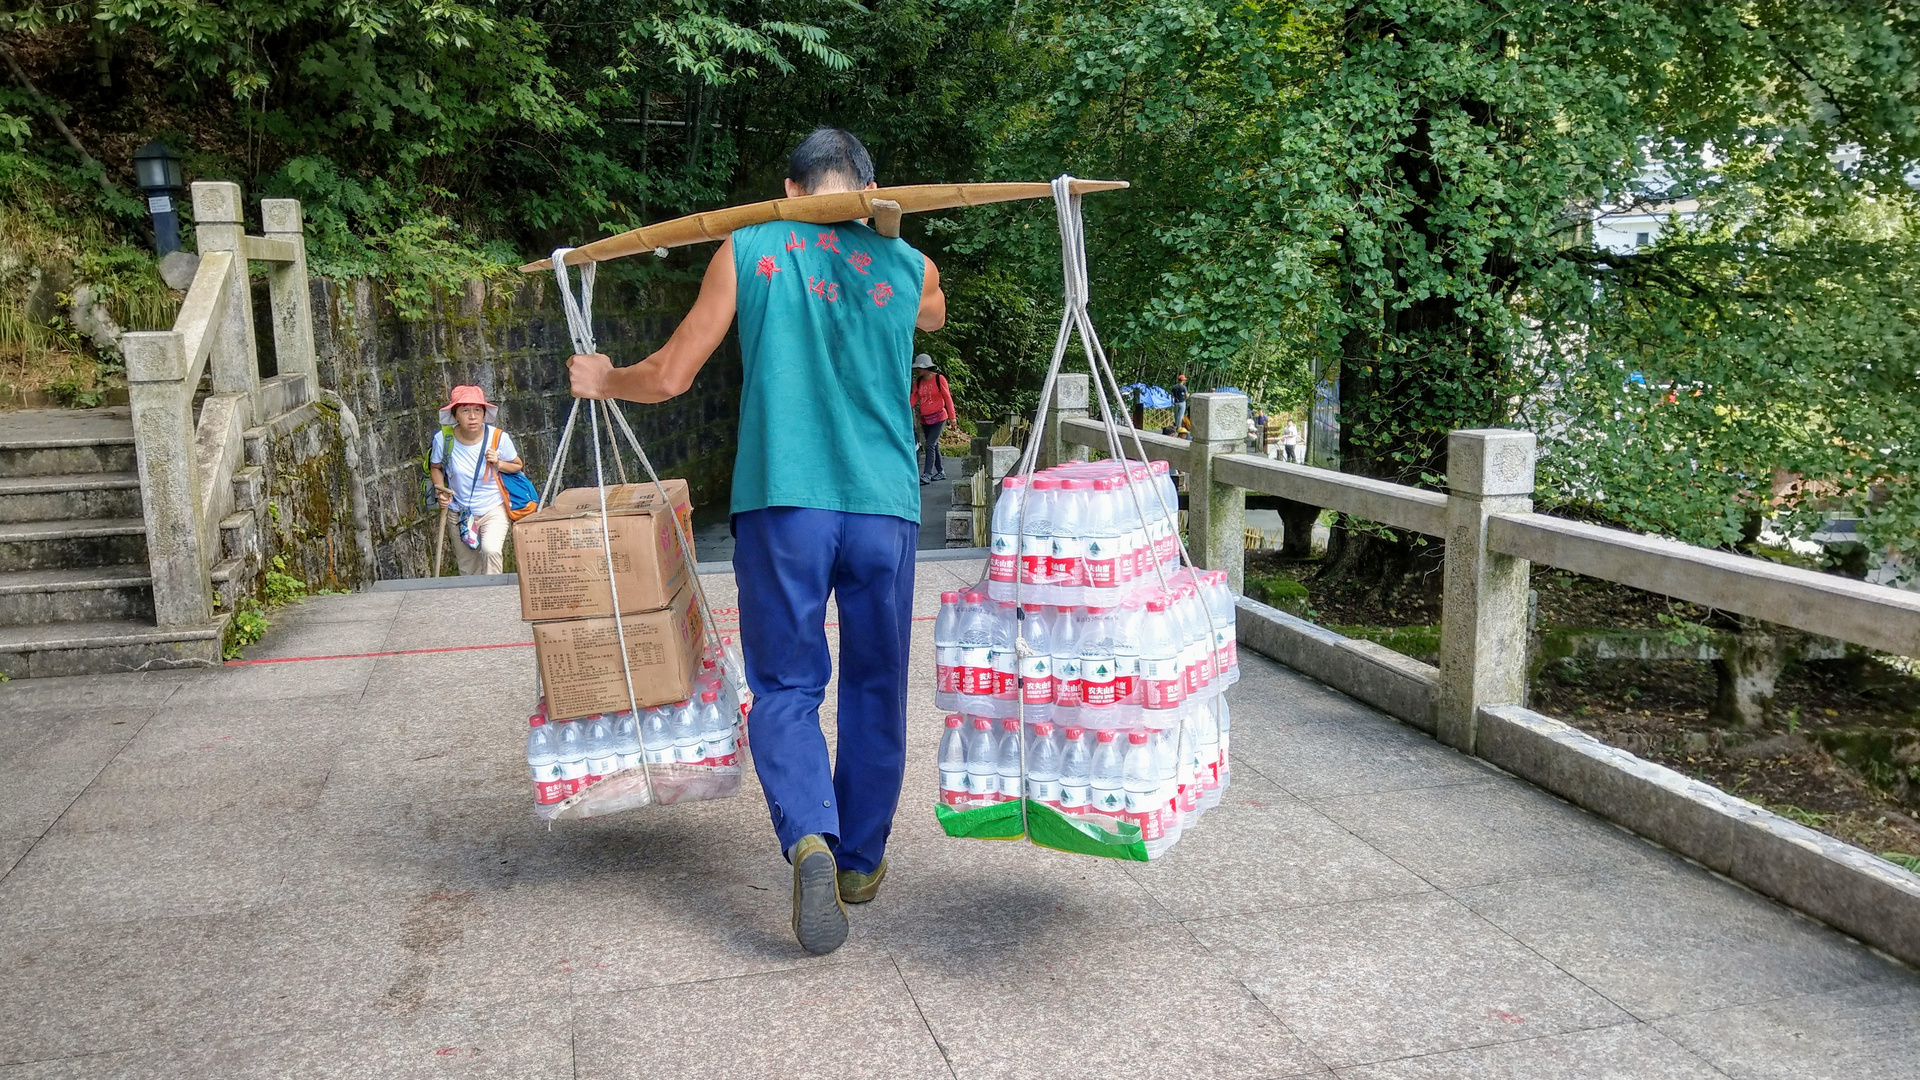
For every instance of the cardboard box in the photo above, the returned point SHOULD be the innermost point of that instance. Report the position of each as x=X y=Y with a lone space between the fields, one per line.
x=563 y=561
x=580 y=659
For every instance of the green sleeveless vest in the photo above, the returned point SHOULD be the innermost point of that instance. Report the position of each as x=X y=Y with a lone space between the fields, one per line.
x=826 y=336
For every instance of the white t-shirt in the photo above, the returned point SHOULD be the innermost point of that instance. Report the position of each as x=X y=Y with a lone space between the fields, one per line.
x=1289 y=435
x=474 y=488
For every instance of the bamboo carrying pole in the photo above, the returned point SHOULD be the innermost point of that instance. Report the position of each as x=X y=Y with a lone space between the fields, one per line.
x=829 y=209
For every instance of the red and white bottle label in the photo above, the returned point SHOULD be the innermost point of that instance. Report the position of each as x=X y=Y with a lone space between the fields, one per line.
x=1075 y=797
x=1097 y=683
x=1003 y=557
x=976 y=672
x=1162 y=683
x=1066 y=681
x=1046 y=791
x=1066 y=563
x=1036 y=675
x=1102 y=562
x=946 y=668
x=1036 y=555
x=548 y=786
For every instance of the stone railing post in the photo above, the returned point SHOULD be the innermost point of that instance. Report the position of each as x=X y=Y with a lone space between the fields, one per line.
x=1070 y=396
x=219 y=223
x=1483 y=619
x=1216 y=513
x=163 y=437
x=292 y=303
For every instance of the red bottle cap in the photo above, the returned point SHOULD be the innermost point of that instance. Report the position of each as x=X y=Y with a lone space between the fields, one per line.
x=1106 y=736
x=949 y=597
x=1074 y=732
x=1137 y=738
x=1043 y=729
x=709 y=695
x=981 y=723
x=1010 y=724
x=953 y=721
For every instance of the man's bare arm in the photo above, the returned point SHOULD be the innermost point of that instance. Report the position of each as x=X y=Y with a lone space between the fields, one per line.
x=670 y=371
x=933 y=301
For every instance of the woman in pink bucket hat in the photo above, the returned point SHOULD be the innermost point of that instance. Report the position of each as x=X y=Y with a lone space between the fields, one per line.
x=463 y=468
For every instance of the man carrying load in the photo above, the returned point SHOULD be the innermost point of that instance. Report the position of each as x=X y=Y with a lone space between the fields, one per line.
x=824 y=501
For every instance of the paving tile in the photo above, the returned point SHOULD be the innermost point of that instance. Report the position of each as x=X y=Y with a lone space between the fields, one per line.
x=1674 y=938
x=524 y=1040
x=1620 y=1052
x=959 y=894
x=333 y=637
x=338 y=679
x=1375 y=980
x=63 y=753
x=77 y=878
x=434 y=618
x=158 y=982
x=129 y=690
x=1261 y=848
x=1348 y=755
x=1863 y=1033
x=1476 y=834
x=479 y=682
x=826 y=1021
x=344 y=607
x=1141 y=1002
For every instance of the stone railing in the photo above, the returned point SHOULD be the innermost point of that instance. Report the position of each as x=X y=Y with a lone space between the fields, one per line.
x=1492 y=537
x=187 y=462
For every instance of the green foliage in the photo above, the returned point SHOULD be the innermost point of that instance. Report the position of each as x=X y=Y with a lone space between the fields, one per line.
x=1902 y=859
x=246 y=627
x=281 y=587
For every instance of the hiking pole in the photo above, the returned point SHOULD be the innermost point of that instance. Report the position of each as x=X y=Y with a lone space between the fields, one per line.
x=440 y=541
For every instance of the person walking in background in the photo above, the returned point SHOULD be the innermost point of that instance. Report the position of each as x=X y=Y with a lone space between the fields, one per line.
x=820 y=507
x=933 y=406
x=1179 y=394
x=1290 y=448
x=465 y=479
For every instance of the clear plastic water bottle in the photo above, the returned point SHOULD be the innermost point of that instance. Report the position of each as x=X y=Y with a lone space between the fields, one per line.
x=1003 y=545
x=983 y=764
x=976 y=655
x=1036 y=541
x=1162 y=681
x=1166 y=547
x=1104 y=533
x=1197 y=618
x=1097 y=688
x=1064 y=636
x=1043 y=766
x=1009 y=759
x=1067 y=565
x=1140 y=776
x=1224 y=722
x=1219 y=598
x=946 y=652
x=685 y=725
x=716 y=731
x=1133 y=508
x=602 y=759
x=543 y=762
x=1186 y=780
x=1109 y=780
x=1166 y=764
x=1036 y=668
x=656 y=736
x=626 y=742
x=1001 y=657
x=1076 y=772
x=570 y=746
x=1126 y=662
x=953 y=765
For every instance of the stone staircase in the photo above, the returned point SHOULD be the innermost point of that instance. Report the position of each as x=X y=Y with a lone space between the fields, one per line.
x=76 y=596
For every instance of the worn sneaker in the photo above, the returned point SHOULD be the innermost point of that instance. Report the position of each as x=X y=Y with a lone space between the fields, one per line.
x=819 y=918
x=858 y=888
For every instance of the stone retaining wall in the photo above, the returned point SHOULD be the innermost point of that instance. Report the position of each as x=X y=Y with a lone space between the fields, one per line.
x=393 y=373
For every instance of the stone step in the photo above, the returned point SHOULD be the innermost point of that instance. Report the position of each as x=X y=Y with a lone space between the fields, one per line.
x=57 y=545
x=88 y=648
x=30 y=597
x=69 y=496
x=40 y=442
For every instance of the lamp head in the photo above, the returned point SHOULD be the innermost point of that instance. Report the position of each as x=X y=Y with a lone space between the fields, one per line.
x=156 y=167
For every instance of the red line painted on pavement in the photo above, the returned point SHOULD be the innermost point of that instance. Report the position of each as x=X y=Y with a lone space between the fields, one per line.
x=441 y=649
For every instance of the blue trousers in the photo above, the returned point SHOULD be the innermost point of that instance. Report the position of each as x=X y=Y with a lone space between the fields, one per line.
x=786 y=560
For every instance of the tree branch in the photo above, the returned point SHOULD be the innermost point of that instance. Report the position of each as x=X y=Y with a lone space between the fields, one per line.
x=59 y=125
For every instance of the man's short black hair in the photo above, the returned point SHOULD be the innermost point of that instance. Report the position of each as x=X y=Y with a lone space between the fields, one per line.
x=830 y=152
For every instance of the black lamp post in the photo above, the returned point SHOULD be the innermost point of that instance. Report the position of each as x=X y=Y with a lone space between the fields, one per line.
x=157 y=170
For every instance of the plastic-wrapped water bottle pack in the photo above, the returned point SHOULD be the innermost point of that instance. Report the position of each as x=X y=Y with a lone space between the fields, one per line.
x=1090 y=715
x=686 y=751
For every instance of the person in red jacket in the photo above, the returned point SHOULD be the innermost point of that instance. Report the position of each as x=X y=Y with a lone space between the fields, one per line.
x=932 y=407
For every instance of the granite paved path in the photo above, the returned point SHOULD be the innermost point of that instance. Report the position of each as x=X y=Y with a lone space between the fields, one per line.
x=328 y=867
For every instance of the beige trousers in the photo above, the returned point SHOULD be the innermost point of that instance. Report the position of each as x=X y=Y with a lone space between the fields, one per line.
x=484 y=559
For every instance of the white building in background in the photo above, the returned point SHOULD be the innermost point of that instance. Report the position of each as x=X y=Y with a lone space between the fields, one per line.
x=1625 y=231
